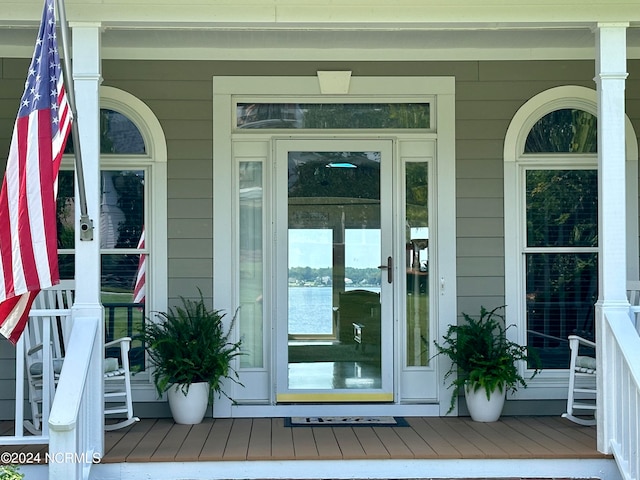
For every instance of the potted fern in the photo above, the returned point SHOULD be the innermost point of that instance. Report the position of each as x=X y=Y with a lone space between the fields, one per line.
x=485 y=362
x=191 y=353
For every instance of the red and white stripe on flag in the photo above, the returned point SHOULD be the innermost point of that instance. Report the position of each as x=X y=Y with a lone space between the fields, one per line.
x=28 y=237
x=139 y=290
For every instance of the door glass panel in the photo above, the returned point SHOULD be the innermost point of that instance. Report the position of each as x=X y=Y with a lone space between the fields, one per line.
x=417 y=262
x=251 y=262
x=334 y=284
x=310 y=280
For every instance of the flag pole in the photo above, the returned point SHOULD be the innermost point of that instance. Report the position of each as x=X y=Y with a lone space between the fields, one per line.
x=86 y=224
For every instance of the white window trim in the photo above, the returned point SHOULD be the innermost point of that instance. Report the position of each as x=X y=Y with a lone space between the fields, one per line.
x=154 y=164
x=551 y=384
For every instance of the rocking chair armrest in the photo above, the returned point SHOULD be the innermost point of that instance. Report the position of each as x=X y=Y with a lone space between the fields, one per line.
x=122 y=341
x=35 y=349
x=124 y=344
x=577 y=340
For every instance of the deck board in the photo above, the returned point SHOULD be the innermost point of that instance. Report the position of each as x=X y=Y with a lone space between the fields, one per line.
x=161 y=440
x=499 y=438
x=349 y=443
x=414 y=442
x=238 y=443
x=371 y=443
x=282 y=445
x=171 y=443
x=191 y=448
x=144 y=449
x=461 y=441
x=579 y=435
x=117 y=448
x=260 y=440
x=393 y=443
x=481 y=434
x=326 y=442
x=216 y=441
x=561 y=434
x=442 y=448
x=513 y=442
x=304 y=444
x=549 y=437
x=535 y=448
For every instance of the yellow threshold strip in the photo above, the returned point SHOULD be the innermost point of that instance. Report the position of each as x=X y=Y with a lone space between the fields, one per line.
x=334 y=397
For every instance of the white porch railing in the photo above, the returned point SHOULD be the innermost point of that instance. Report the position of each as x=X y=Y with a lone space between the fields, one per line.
x=76 y=422
x=621 y=361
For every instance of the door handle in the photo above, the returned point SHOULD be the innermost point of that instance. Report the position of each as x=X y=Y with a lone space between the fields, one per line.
x=389 y=268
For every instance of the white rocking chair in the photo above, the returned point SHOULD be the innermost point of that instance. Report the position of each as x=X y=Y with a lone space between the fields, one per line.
x=581 y=399
x=117 y=387
x=117 y=375
x=45 y=327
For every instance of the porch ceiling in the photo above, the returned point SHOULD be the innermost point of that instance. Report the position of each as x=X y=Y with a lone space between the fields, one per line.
x=336 y=42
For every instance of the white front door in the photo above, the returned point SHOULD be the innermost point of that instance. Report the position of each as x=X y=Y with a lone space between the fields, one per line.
x=336 y=238
x=335 y=271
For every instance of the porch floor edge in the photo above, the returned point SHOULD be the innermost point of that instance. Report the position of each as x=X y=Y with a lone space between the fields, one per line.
x=604 y=468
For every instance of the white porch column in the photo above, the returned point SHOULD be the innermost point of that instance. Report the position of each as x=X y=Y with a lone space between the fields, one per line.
x=87 y=78
x=610 y=80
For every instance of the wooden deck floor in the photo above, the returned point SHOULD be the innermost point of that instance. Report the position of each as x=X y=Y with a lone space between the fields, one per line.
x=161 y=440
x=513 y=448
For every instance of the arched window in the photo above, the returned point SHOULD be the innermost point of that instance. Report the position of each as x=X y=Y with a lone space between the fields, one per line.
x=561 y=220
x=551 y=223
x=567 y=130
x=132 y=237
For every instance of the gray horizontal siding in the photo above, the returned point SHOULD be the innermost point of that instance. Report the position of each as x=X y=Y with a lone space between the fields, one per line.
x=488 y=94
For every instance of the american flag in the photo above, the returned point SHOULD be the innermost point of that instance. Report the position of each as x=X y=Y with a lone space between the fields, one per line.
x=28 y=236
x=139 y=287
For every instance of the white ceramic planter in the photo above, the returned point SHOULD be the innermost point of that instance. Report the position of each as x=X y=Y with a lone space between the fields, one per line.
x=482 y=409
x=189 y=409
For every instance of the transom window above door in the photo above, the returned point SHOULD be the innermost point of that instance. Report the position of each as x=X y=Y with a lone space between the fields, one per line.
x=322 y=116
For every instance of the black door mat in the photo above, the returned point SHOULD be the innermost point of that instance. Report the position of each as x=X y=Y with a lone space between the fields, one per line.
x=346 y=421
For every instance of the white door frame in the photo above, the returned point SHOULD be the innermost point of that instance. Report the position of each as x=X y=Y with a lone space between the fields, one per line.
x=388 y=329
x=440 y=93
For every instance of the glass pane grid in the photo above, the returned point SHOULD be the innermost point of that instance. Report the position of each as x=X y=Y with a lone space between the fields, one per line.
x=561 y=290
x=561 y=208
